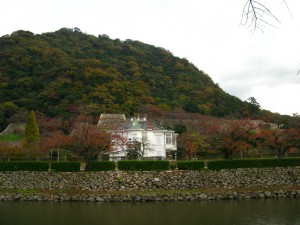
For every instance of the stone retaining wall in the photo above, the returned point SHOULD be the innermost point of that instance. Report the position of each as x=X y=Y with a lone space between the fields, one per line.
x=151 y=180
x=184 y=196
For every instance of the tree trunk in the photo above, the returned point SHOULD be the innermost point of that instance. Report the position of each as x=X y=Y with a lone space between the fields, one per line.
x=87 y=163
x=227 y=155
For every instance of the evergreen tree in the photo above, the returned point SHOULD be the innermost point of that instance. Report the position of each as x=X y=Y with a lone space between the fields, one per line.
x=32 y=135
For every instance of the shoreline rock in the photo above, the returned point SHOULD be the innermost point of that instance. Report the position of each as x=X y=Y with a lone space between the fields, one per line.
x=108 y=197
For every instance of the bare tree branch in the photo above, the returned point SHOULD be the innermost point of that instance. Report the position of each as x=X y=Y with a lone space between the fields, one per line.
x=257 y=16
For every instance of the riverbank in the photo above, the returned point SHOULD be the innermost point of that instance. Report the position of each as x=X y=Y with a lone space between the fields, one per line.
x=147 y=196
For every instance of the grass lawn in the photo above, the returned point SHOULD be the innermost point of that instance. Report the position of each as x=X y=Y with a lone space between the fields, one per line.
x=11 y=137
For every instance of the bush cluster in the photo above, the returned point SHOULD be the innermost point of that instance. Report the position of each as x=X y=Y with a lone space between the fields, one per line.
x=285 y=162
x=143 y=165
x=252 y=163
x=65 y=166
x=190 y=165
x=102 y=166
x=27 y=166
x=40 y=166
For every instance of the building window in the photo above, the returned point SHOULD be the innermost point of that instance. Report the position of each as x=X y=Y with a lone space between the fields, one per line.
x=168 y=139
x=173 y=139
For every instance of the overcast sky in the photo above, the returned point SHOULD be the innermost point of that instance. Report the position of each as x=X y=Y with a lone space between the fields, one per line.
x=206 y=32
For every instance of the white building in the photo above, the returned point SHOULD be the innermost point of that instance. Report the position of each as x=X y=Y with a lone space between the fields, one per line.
x=153 y=141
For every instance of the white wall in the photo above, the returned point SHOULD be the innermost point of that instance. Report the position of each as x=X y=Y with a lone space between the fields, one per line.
x=156 y=139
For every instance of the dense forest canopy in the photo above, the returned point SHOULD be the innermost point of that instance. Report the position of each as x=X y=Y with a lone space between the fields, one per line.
x=55 y=73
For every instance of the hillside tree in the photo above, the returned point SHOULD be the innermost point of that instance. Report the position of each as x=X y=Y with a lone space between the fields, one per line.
x=89 y=140
x=31 y=135
x=233 y=136
x=281 y=141
x=7 y=150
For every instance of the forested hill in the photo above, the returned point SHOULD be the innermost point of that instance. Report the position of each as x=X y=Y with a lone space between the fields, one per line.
x=56 y=72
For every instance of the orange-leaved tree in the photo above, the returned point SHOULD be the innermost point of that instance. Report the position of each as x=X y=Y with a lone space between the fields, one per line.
x=231 y=136
x=282 y=140
x=7 y=150
x=193 y=143
x=83 y=137
x=90 y=141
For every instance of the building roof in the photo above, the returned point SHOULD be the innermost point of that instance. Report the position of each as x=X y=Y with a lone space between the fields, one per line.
x=134 y=124
x=111 y=120
x=119 y=122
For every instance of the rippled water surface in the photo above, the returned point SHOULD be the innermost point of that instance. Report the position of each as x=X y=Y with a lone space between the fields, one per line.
x=244 y=212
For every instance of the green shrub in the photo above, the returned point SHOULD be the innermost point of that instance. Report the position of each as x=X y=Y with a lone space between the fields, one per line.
x=173 y=165
x=143 y=165
x=232 y=164
x=102 y=166
x=26 y=166
x=65 y=166
x=285 y=162
x=190 y=165
x=252 y=163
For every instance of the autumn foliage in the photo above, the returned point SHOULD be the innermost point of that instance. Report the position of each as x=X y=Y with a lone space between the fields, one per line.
x=200 y=136
x=237 y=137
x=85 y=139
x=7 y=150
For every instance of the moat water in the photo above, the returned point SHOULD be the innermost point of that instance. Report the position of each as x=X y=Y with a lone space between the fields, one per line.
x=224 y=212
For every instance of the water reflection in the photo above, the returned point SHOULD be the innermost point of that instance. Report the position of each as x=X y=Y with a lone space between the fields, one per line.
x=245 y=212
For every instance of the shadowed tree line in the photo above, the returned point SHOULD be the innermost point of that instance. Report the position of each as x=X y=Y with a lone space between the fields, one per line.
x=200 y=136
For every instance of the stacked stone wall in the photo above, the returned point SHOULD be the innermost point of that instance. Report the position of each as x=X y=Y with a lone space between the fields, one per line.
x=126 y=186
x=151 y=180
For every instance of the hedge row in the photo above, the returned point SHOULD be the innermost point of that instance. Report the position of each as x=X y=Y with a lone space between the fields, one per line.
x=28 y=166
x=40 y=166
x=102 y=166
x=190 y=165
x=65 y=166
x=143 y=165
x=252 y=163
